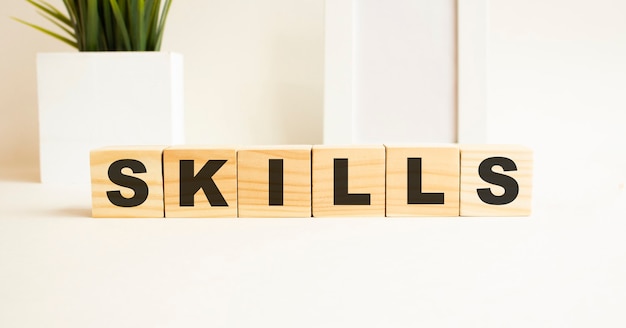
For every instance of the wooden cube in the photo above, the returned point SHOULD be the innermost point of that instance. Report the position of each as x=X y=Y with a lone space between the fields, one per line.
x=200 y=182
x=348 y=181
x=274 y=181
x=422 y=180
x=126 y=182
x=496 y=180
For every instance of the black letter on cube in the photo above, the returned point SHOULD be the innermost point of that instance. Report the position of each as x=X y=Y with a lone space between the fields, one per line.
x=137 y=185
x=190 y=183
x=511 y=188
x=276 y=182
x=341 y=195
x=414 y=185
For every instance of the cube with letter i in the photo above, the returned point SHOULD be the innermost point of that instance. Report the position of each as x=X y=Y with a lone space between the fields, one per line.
x=274 y=181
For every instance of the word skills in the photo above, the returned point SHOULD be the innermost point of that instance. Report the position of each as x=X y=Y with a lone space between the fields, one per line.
x=311 y=181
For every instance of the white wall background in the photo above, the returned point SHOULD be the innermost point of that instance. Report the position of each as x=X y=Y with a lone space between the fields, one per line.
x=405 y=71
x=253 y=72
x=556 y=82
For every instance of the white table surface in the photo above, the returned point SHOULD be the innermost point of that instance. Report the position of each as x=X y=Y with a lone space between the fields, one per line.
x=565 y=266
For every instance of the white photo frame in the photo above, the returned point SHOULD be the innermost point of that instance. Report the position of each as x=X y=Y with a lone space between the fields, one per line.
x=339 y=87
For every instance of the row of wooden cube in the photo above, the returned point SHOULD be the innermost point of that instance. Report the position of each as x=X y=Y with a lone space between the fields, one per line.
x=376 y=181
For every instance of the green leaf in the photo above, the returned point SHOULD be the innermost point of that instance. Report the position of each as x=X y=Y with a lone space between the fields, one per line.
x=70 y=5
x=152 y=18
x=119 y=18
x=52 y=11
x=52 y=34
x=81 y=7
x=107 y=25
x=161 y=27
x=141 y=29
x=92 y=29
x=71 y=10
x=68 y=31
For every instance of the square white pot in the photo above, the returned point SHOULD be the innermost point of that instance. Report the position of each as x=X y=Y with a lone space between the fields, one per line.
x=93 y=99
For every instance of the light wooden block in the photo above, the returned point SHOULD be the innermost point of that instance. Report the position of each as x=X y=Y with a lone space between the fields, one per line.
x=365 y=181
x=140 y=169
x=431 y=188
x=513 y=169
x=210 y=191
x=290 y=197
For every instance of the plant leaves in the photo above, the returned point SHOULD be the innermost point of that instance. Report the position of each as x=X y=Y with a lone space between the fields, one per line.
x=52 y=11
x=161 y=27
x=52 y=34
x=107 y=25
x=119 y=18
x=65 y=29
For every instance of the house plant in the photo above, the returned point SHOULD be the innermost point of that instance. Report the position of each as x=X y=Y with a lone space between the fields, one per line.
x=119 y=89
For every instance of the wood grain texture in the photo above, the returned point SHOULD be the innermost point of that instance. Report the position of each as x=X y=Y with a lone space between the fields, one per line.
x=253 y=181
x=471 y=158
x=439 y=174
x=102 y=158
x=366 y=175
x=225 y=179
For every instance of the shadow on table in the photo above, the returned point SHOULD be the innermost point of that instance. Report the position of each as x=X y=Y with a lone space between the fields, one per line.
x=74 y=212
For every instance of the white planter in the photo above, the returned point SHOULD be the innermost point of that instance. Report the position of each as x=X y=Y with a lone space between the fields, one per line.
x=95 y=99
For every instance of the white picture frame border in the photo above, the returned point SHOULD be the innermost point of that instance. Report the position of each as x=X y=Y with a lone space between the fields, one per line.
x=471 y=71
